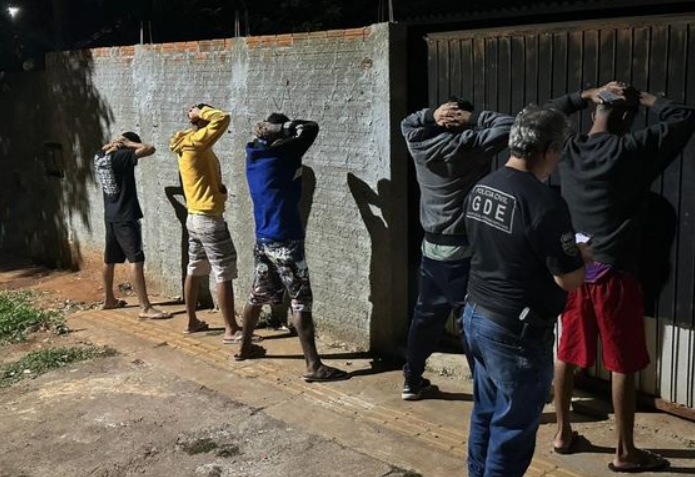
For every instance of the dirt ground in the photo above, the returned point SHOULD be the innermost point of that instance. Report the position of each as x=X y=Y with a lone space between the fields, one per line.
x=120 y=417
x=81 y=286
x=117 y=417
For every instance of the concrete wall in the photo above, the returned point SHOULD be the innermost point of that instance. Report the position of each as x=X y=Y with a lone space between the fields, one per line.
x=354 y=176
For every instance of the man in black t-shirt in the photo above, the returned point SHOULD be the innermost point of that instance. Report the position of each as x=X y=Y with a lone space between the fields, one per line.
x=606 y=177
x=115 y=170
x=525 y=259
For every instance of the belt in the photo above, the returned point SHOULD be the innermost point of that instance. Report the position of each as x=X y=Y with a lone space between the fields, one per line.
x=442 y=239
x=515 y=325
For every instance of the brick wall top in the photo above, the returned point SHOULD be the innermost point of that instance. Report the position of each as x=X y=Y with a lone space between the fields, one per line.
x=207 y=46
x=292 y=38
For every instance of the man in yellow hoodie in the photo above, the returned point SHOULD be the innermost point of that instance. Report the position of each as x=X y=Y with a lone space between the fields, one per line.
x=210 y=245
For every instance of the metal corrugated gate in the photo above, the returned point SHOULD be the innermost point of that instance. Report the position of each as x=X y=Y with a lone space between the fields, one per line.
x=505 y=69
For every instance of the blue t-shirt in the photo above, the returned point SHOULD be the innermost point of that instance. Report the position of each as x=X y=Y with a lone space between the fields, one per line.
x=274 y=175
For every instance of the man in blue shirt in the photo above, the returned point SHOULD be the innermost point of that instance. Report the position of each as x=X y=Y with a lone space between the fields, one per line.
x=274 y=175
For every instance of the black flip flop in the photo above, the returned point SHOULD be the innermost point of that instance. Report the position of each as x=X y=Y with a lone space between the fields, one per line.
x=255 y=353
x=333 y=374
x=570 y=448
x=201 y=326
x=650 y=463
x=119 y=304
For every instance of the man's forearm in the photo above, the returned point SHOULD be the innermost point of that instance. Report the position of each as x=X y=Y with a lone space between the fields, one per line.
x=570 y=103
x=141 y=149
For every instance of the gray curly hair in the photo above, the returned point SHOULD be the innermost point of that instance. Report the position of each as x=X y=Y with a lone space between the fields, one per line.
x=537 y=131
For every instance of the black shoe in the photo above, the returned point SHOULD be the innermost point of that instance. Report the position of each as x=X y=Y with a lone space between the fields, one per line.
x=413 y=393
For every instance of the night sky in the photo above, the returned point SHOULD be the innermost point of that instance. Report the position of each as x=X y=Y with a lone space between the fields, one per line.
x=45 y=25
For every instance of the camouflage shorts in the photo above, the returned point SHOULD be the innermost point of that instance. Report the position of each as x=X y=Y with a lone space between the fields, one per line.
x=280 y=267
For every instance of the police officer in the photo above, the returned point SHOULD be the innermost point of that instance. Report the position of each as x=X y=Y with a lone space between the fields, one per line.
x=525 y=260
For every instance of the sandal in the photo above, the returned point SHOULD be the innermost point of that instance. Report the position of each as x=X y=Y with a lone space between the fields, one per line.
x=236 y=339
x=119 y=304
x=255 y=352
x=325 y=374
x=200 y=326
x=155 y=315
x=648 y=463
x=572 y=448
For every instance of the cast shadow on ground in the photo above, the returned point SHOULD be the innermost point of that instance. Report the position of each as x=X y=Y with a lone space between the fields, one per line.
x=340 y=356
x=586 y=447
x=378 y=227
x=172 y=193
x=436 y=394
x=551 y=418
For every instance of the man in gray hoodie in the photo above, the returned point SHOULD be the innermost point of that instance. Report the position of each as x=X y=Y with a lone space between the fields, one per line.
x=452 y=148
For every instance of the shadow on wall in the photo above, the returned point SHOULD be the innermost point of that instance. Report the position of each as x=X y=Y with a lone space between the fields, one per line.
x=378 y=228
x=76 y=124
x=179 y=205
x=658 y=235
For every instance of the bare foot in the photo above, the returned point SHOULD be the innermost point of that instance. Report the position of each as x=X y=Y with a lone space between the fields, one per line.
x=236 y=338
x=151 y=313
x=563 y=439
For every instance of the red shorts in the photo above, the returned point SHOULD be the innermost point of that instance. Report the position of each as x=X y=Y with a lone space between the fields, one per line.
x=612 y=308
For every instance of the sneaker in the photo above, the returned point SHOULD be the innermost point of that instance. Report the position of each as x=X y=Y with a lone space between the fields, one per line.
x=413 y=393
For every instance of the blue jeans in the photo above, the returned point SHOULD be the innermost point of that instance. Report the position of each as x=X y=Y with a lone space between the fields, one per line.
x=513 y=374
x=442 y=288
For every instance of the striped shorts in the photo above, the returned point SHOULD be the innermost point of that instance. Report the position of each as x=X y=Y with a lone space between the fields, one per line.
x=210 y=248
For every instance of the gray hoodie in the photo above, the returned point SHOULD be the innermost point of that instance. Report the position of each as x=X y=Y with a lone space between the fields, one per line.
x=448 y=165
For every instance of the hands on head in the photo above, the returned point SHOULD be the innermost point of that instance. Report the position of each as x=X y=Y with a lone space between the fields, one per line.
x=619 y=89
x=119 y=143
x=267 y=131
x=112 y=146
x=450 y=116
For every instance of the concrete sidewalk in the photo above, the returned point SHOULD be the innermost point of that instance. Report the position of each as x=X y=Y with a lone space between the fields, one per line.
x=364 y=413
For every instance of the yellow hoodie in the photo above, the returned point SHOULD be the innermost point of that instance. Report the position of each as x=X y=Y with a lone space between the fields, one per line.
x=199 y=166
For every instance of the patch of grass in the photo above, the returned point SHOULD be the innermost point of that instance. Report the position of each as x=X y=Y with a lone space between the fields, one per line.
x=199 y=446
x=39 y=362
x=18 y=318
x=228 y=451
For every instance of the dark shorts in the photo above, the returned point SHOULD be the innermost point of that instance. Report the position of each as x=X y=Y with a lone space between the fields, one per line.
x=123 y=241
x=610 y=309
x=280 y=267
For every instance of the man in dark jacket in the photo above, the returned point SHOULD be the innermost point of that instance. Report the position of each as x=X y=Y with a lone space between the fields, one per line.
x=274 y=175
x=605 y=177
x=452 y=148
